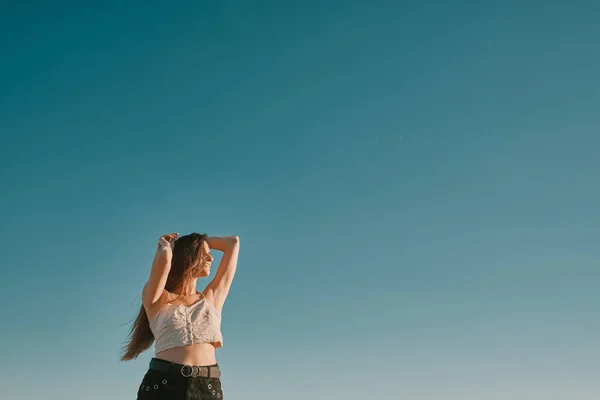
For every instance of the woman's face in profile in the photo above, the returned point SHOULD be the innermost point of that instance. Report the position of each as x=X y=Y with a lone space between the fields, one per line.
x=205 y=261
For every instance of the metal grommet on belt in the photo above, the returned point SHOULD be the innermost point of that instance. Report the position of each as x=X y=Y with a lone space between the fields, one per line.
x=164 y=381
x=219 y=395
x=155 y=387
x=147 y=388
x=209 y=386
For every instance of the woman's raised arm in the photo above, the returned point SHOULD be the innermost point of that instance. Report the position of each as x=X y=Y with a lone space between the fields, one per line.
x=230 y=246
x=154 y=288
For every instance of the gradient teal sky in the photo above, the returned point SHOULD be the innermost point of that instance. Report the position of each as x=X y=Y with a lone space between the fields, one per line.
x=414 y=184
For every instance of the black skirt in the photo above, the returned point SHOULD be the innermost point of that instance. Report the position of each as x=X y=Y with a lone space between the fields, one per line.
x=173 y=385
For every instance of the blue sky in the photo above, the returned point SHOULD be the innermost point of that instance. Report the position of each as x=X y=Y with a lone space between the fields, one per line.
x=414 y=184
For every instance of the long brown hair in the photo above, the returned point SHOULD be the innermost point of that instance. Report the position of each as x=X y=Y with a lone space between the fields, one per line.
x=187 y=261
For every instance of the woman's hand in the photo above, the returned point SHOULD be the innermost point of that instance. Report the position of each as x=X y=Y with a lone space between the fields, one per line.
x=167 y=242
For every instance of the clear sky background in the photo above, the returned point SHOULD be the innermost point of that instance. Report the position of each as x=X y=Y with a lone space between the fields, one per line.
x=415 y=185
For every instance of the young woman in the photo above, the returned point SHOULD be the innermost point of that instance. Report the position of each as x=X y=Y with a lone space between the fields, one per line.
x=185 y=323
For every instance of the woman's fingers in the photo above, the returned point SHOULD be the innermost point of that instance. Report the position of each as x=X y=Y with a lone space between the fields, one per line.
x=166 y=240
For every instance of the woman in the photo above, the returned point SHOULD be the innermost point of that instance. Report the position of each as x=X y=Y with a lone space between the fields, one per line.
x=185 y=323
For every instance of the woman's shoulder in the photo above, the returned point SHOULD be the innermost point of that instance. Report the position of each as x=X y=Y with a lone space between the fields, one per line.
x=165 y=298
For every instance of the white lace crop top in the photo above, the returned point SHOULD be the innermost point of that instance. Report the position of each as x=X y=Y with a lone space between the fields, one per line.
x=177 y=325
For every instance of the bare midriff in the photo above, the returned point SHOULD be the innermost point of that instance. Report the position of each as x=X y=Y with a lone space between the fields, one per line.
x=195 y=354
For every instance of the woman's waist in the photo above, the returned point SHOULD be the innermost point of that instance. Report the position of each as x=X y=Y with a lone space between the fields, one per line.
x=199 y=354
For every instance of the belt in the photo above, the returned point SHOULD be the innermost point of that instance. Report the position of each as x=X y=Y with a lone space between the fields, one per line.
x=187 y=371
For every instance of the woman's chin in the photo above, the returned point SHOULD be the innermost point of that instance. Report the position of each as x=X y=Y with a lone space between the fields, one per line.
x=204 y=273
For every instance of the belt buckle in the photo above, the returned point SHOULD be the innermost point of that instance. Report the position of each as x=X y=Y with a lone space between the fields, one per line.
x=194 y=371
x=183 y=371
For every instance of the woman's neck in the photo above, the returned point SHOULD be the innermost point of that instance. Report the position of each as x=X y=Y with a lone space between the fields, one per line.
x=187 y=290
